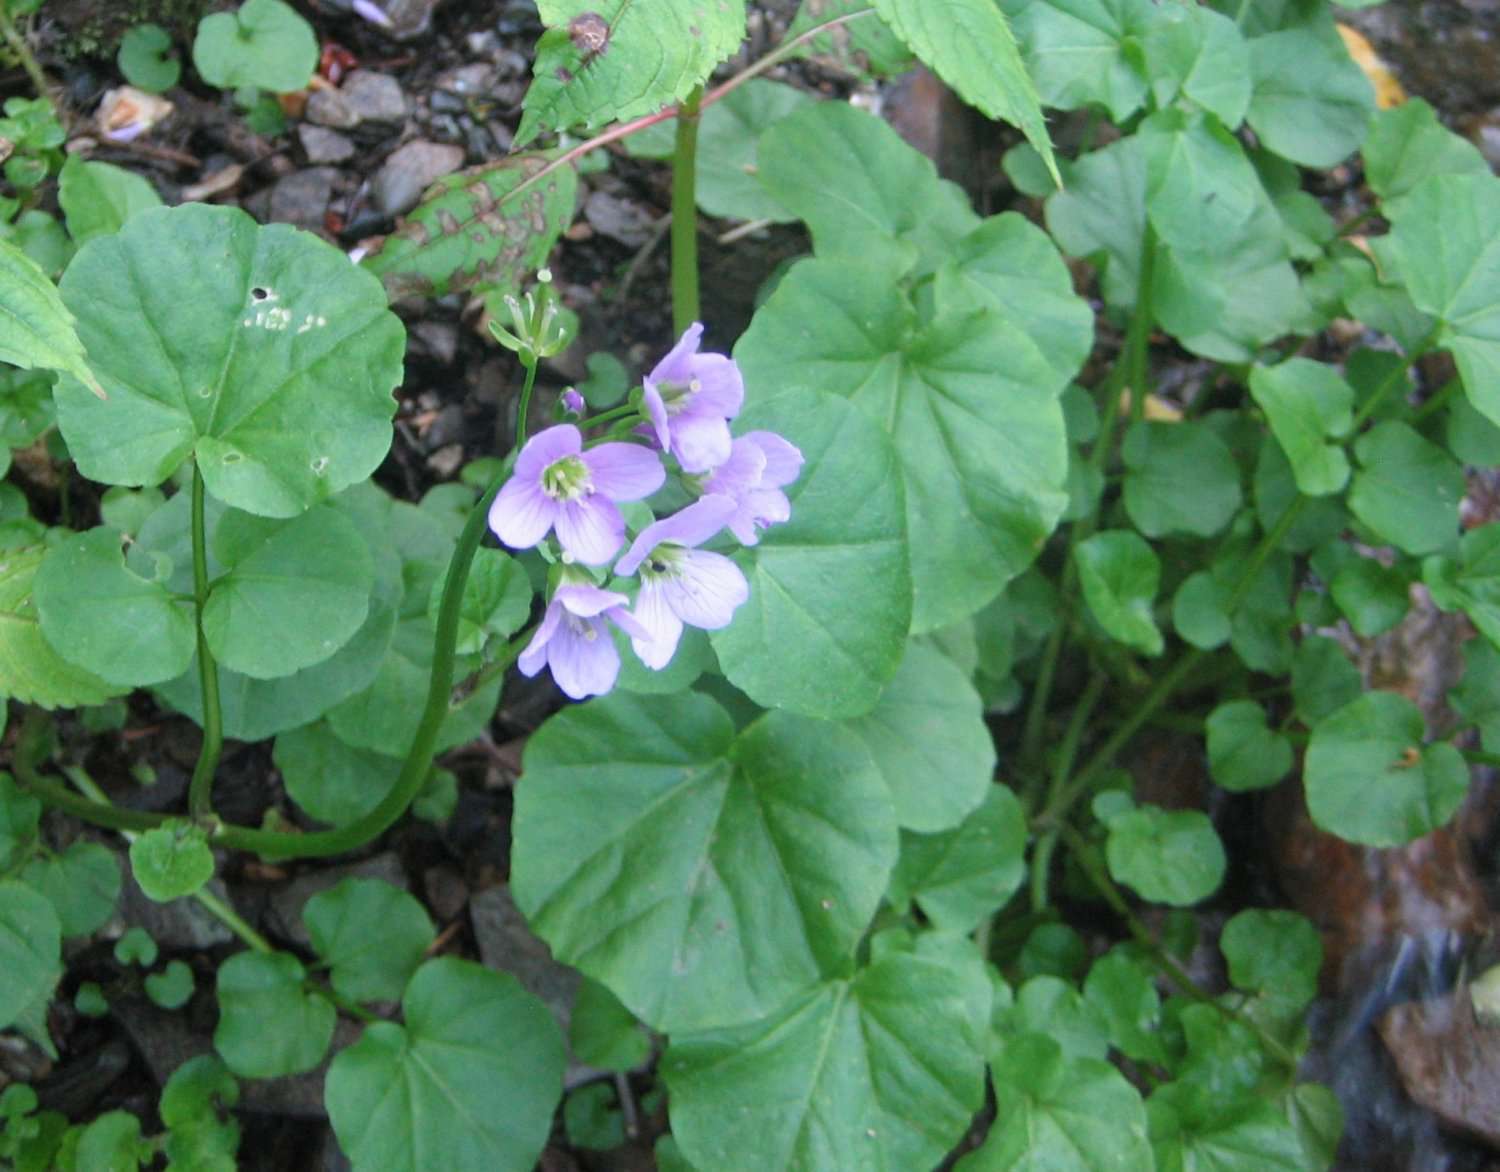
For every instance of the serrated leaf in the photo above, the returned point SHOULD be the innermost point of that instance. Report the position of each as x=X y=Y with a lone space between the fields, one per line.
x=755 y=860
x=1407 y=490
x=613 y=60
x=474 y=227
x=881 y=1072
x=1243 y=754
x=1120 y=574
x=269 y=1024
x=1086 y=51
x=36 y=329
x=260 y=351
x=1307 y=403
x=962 y=875
x=440 y=1091
x=1371 y=780
x=372 y=936
x=30 y=670
x=969 y=44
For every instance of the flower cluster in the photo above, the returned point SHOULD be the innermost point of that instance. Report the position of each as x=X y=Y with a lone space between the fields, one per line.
x=569 y=489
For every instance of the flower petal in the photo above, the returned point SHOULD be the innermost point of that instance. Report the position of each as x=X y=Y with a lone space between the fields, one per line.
x=691 y=526
x=783 y=458
x=706 y=590
x=700 y=442
x=721 y=388
x=547 y=447
x=627 y=622
x=656 y=408
x=590 y=529
x=741 y=472
x=663 y=628
x=584 y=662
x=535 y=655
x=624 y=472
x=677 y=366
x=587 y=600
x=521 y=513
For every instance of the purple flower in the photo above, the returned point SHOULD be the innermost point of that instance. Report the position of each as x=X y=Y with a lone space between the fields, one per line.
x=574 y=642
x=759 y=464
x=690 y=398
x=681 y=584
x=572 y=401
x=557 y=483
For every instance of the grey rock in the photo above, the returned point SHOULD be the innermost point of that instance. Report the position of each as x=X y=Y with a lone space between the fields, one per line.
x=181 y=925
x=285 y=916
x=468 y=81
x=508 y=944
x=409 y=171
x=439 y=338
x=332 y=109
x=322 y=145
x=619 y=219
x=302 y=197
x=374 y=97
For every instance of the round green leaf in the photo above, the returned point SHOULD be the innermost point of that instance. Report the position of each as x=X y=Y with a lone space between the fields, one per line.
x=98 y=198
x=1167 y=856
x=171 y=861
x=602 y=1032
x=172 y=988
x=1369 y=778
x=1307 y=402
x=1125 y=993
x=1407 y=490
x=112 y=1143
x=1407 y=144
x=830 y=595
x=970 y=404
x=882 y=1072
x=136 y=947
x=1201 y=190
x=1180 y=479
x=107 y=619
x=1311 y=103
x=333 y=781
x=20 y=814
x=1323 y=679
x=470 y=1081
x=1276 y=955
x=1371 y=596
x=1120 y=573
x=30 y=952
x=1076 y=51
x=260 y=351
x=266 y=44
x=83 y=883
x=1476 y=699
x=496 y=600
x=1473 y=583
x=1246 y=1135
x=269 y=1025
x=755 y=861
x=1198 y=611
x=1053 y=1008
x=146 y=60
x=372 y=935
x=928 y=738
x=294 y=592
x=1056 y=1112
x=964 y=874
x=1243 y=754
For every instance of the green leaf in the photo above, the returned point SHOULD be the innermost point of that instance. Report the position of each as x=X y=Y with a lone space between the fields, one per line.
x=591 y=1118
x=1199 y=611
x=1126 y=995
x=1009 y=264
x=36 y=328
x=1120 y=574
x=112 y=1143
x=1243 y=754
x=1445 y=245
x=1476 y=699
x=1056 y=1112
x=333 y=781
x=145 y=58
x=30 y=952
x=970 y=403
x=1307 y=404
x=830 y=595
x=1317 y=1116
x=1199 y=54
x=905 y=215
x=1311 y=104
x=756 y=860
x=266 y=44
x=1407 y=490
x=136 y=947
x=1084 y=52
x=371 y=934
x=880 y=1072
x=612 y=60
x=1246 y=1135
x=1050 y=1006
x=439 y=1092
x=1373 y=597
x=171 y=861
x=269 y=1024
x=1058 y=953
x=1323 y=679
x=496 y=601
x=107 y=619
x=260 y=351
x=83 y=883
x=195 y=1097
x=20 y=815
x=1275 y=955
x=603 y=1033
x=928 y=738
x=98 y=198
x=1101 y=214
x=1201 y=190
x=970 y=46
x=1407 y=144
x=1473 y=583
x=1167 y=856
x=1369 y=778
x=172 y=988
x=1320 y=518
x=294 y=591
x=473 y=227
x=1470 y=436
x=863 y=47
x=962 y=875
x=1180 y=478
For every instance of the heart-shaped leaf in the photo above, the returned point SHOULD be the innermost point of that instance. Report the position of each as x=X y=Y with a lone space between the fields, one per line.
x=1407 y=490
x=1307 y=403
x=82 y=882
x=1162 y=460
x=962 y=875
x=1243 y=754
x=171 y=860
x=1168 y=856
x=371 y=934
x=269 y=1024
x=30 y=670
x=1120 y=574
x=265 y=44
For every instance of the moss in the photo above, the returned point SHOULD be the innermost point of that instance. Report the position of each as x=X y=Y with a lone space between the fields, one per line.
x=85 y=28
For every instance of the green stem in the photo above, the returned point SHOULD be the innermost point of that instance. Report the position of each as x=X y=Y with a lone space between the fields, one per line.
x=1438 y=400
x=623 y=411
x=1138 y=336
x=1391 y=382
x=523 y=407
x=1087 y=857
x=1067 y=753
x=200 y=788
x=230 y=918
x=17 y=45
x=1476 y=757
x=31 y=749
x=685 y=215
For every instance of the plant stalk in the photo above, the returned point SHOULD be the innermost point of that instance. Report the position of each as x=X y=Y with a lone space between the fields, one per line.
x=200 y=788
x=17 y=45
x=523 y=407
x=685 y=215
